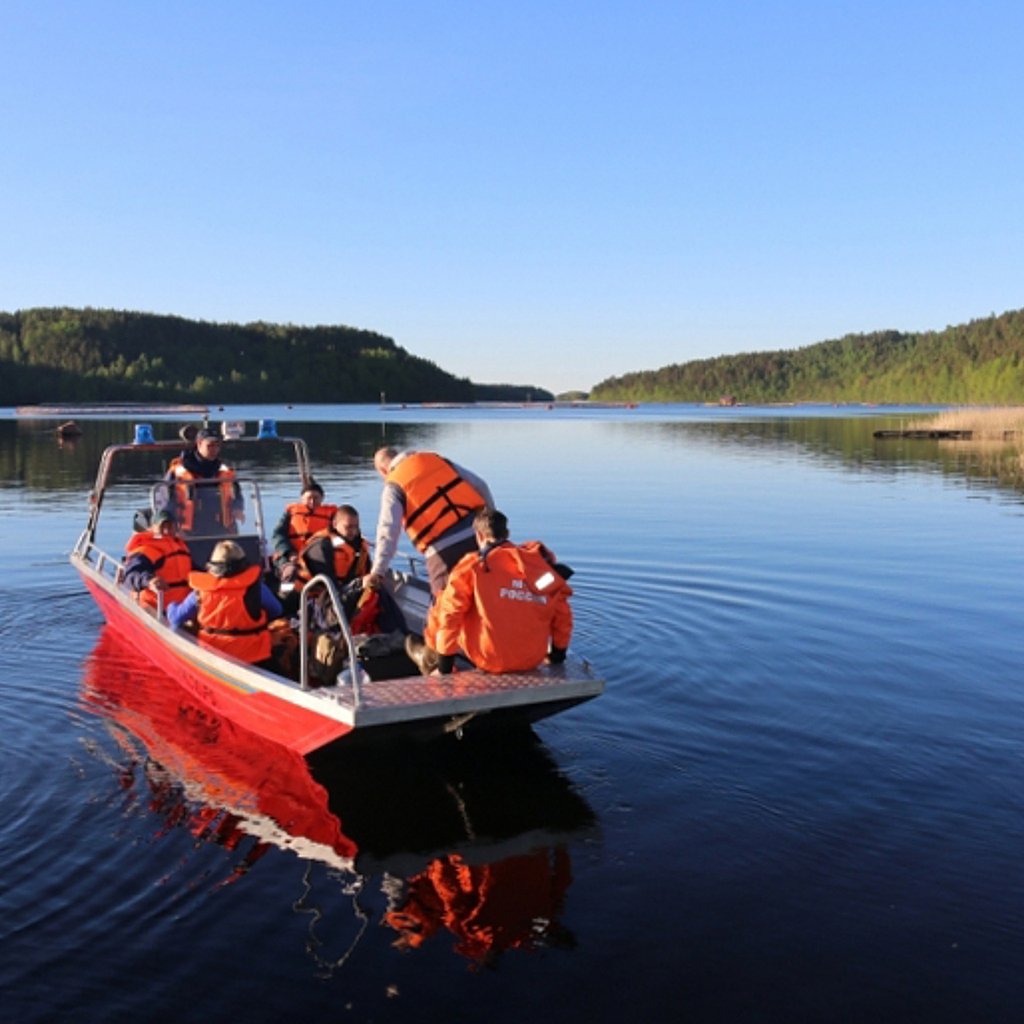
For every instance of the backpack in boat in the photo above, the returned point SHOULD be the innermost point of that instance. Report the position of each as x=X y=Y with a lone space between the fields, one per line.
x=328 y=658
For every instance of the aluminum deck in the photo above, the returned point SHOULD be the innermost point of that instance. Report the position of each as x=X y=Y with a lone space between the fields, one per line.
x=392 y=701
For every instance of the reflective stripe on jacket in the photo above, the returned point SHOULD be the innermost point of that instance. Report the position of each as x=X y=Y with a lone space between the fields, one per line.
x=504 y=608
x=436 y=496
x=231 y=617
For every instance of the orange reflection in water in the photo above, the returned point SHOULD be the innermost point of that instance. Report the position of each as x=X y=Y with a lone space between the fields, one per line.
x=469 y=840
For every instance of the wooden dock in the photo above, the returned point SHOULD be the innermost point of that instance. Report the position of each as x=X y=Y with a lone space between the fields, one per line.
x=927 y=435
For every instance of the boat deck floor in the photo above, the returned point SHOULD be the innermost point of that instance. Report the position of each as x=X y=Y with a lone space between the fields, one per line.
x=386 y=701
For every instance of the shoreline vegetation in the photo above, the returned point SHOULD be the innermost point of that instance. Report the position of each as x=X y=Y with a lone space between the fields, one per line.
x=988 y=442
x=1000 y=424
x=976 y=363
x=63 y=355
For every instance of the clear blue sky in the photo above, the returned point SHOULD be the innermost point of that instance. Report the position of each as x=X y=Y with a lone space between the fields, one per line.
x=536 y=192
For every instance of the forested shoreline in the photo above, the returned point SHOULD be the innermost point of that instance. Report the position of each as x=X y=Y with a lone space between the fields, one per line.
x=977 y=363
x=94 y=355
x=91 y=355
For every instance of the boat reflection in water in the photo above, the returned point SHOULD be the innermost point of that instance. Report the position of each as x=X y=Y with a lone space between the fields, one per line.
x=464 y=837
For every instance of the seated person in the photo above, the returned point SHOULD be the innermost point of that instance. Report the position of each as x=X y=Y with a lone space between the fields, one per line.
x=158 y=559
x=231 y=606
x=299 y=522
x=338 y=552
x=505 y=607
x=341 y=554
x=204 y=495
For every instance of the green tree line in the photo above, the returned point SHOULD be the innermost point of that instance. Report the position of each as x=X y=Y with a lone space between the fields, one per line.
x=103 y=355
x=977 y=363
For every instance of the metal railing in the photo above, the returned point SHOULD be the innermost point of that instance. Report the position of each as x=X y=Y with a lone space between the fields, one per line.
x=325 y=584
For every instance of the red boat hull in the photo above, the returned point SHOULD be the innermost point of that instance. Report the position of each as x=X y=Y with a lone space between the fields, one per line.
x=228 y=695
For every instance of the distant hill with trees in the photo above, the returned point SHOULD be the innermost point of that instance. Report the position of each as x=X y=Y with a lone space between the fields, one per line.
x=977 y=363
x=92 y=355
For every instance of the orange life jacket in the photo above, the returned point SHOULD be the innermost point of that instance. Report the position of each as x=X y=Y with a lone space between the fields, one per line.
x=172 y=562
x=348 y=561
x=224 y=618
x=436 y=496
x=304 y=522
x=504 y=609
x=185 y=484
x=135 y=541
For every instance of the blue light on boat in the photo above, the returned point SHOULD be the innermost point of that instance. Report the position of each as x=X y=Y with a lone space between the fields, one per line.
x=143 y=434
x=268 y=429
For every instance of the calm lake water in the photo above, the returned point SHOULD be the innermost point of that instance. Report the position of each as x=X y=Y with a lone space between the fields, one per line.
x=799 y=799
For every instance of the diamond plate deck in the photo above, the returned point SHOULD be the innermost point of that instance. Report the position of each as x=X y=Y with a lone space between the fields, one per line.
x=392 y=701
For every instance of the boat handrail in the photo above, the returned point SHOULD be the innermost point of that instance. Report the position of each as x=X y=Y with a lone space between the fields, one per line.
x=106 y=565
x=327 y=584
x=110 y=565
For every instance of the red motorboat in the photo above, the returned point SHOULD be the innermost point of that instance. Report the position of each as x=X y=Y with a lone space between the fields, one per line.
x=359 y=704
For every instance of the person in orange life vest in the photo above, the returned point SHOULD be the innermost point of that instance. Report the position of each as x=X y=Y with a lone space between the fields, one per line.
x=299 y=522
x=231 y=606
x=158 y=559
x=206 y=499
x=340 y=553
x=434 y=499
x=506 y=607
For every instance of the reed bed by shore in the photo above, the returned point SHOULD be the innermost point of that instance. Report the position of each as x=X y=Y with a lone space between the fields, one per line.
x=1003 y=423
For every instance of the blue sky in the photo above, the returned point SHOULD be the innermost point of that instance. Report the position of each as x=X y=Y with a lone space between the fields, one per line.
x=533 y=192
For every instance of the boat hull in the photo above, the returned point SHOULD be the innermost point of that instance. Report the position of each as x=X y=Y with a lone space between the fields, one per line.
x=221 y=684
x=414 y=708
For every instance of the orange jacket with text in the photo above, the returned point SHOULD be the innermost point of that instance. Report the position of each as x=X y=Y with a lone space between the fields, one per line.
x=436 y=496
x=504 y=607
x=172 y=562
x=226 y=618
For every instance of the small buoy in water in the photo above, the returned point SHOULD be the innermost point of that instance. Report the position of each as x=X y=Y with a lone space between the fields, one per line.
x=69 y=429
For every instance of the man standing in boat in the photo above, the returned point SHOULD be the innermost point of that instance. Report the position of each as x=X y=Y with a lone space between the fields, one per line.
x=506 y=607
x=205 y=497
x=434 y=499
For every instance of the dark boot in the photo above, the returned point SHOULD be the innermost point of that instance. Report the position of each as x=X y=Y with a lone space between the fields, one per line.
x=425 y=658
